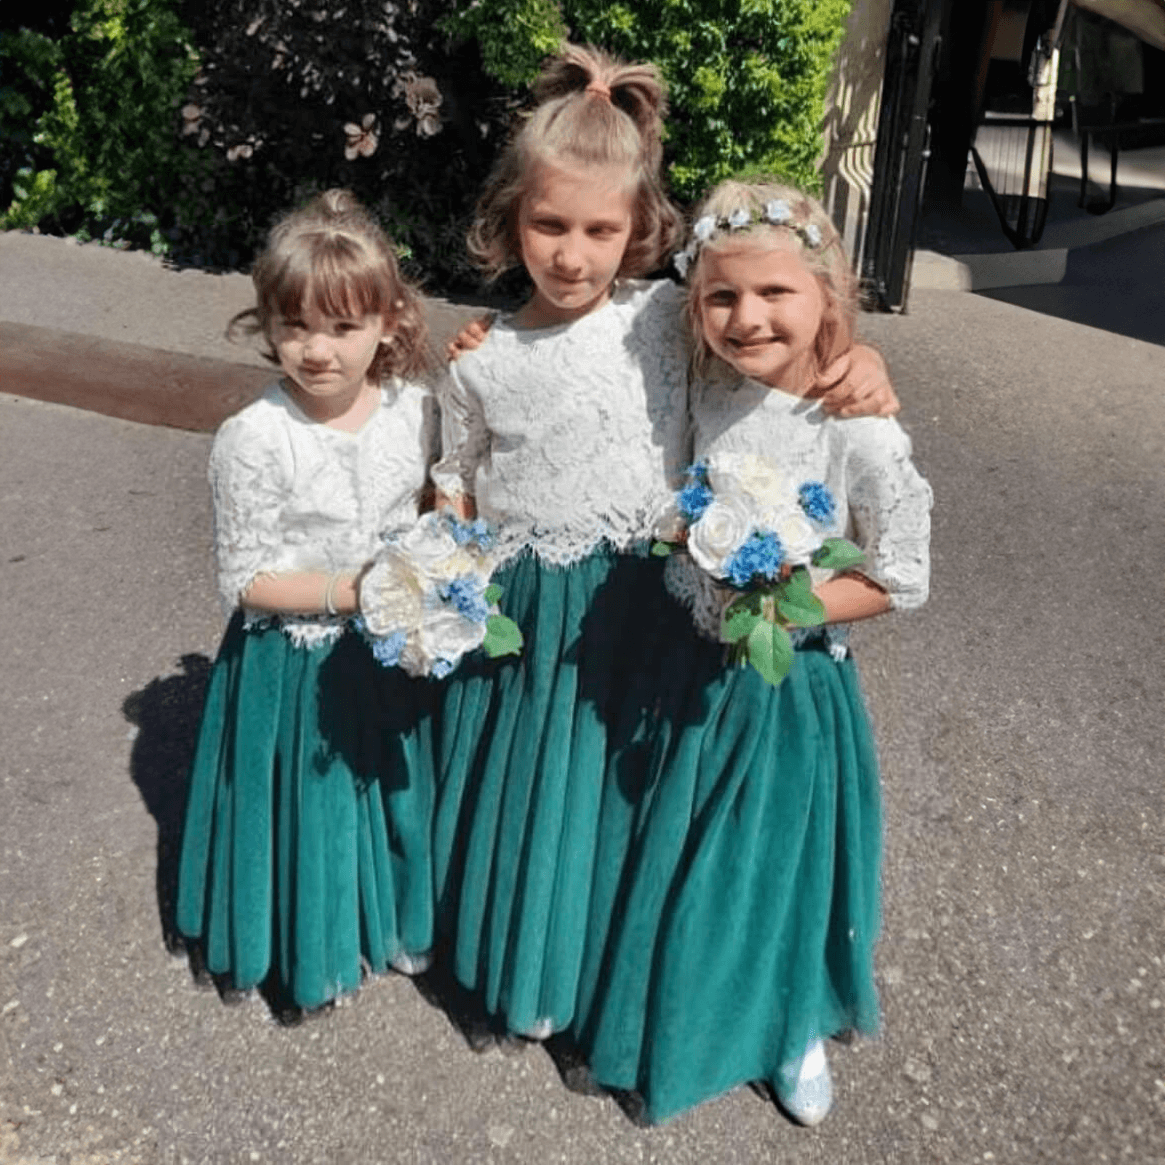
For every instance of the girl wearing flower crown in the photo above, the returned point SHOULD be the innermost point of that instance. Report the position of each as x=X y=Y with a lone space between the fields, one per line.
x=568 y=430
x=305 y=851
x=751 y=903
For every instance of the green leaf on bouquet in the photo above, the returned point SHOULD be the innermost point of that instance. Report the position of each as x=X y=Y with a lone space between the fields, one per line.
x=796 y=602
x=661 y=549
x=770 y=651
x=737 y=623
x=502 y=637
x=492 y=593
x=838 y=554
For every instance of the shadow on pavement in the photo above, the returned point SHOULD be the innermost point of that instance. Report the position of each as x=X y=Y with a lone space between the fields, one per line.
x=1115 y=285
x=167 y=712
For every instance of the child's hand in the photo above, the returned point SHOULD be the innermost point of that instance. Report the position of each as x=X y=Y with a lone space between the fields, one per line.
x=470 y=337
x=858 y=385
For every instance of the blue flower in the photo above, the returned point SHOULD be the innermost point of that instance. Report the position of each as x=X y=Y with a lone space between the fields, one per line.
x=696 y=495
x=693 y=500
x=778 y=212
x=705 y=228
x=463 y=533
x=740 y=218
x=466 y=594
x=386 y=649
x=817 y=502
x=441 y=668
x=812 y=235
x=761 y=556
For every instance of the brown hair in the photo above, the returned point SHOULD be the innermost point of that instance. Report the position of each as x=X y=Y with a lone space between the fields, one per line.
x=332 y=254
x=827 y=260
x=592 y=110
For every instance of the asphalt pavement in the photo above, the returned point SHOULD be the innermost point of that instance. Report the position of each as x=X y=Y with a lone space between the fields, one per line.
x=1019 y=718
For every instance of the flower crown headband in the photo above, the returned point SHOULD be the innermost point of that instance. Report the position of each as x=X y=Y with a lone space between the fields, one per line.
x=776 y=213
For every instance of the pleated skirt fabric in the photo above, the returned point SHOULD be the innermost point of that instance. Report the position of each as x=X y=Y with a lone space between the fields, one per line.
x=736 y=903
x=306 y=852
x=521 y=769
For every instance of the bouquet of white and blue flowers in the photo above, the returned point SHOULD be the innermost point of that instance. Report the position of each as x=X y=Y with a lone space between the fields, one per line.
x=427 y=599
x=750 y=527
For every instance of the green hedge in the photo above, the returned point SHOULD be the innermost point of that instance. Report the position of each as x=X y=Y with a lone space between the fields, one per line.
x=187 y=127
x=89 y=122
x=747 y=78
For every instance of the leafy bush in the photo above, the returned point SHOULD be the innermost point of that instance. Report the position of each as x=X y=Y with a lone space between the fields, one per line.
x=747 y=78
x=299 y=95
x=89 y=124
x=187 y=125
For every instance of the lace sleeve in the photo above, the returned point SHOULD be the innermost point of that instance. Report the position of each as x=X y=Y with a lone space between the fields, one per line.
x=464 y=437
x=249 y=484
x=890 y=505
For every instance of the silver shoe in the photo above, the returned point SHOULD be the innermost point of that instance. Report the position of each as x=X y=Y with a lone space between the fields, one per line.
x=811 y=1097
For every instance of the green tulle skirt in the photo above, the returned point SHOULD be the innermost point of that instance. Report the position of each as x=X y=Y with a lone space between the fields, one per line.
x=306 y=850
x=736 y=899
x=523 y=753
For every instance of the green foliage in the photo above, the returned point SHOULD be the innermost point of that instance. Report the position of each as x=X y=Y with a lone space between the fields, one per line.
x=502 y=637
x=513 y=37
x=838 y=554
x=747 y=78
x=102 y=156
x=188 y=126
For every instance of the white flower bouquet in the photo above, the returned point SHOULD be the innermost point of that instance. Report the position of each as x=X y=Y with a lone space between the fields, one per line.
x=751 y=528
x=427 y=599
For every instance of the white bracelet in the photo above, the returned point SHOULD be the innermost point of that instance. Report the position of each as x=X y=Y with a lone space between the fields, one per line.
x=330 y=593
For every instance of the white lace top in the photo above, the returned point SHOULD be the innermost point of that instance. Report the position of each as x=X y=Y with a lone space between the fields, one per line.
x=572 y=435
x=883 y=503
x=292 y=494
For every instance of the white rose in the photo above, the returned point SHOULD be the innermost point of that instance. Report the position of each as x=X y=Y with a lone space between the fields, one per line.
x=446 y=634
x=765 y=483
x=431 y=549
x=722 y=527
x=390 y=596
x=799 y=538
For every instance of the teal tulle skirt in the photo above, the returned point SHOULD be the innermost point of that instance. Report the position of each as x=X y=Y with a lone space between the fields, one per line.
x=737 y=900
x=306 y=850
x=524 y=744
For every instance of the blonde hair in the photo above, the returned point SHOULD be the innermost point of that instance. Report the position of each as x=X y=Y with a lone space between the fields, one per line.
x=804 y=228
x=333 y=255
x=592 y=110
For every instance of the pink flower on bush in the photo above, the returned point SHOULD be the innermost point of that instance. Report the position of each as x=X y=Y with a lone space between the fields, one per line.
x=362 y=139
x=423 y=97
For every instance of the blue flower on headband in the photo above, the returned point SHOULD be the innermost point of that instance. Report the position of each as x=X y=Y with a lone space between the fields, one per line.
x=705 y=228
x=739 y=218
x=812 y=235
x=778 y=212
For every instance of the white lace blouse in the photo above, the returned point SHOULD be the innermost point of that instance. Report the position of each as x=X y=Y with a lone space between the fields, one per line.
x=291 y=494
x=883 y=503
x=573 y=435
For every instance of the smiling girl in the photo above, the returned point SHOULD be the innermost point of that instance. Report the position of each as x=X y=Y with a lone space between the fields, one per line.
x=750 y=903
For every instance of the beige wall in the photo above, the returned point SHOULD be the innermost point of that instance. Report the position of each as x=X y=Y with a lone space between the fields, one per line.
x=851 y=119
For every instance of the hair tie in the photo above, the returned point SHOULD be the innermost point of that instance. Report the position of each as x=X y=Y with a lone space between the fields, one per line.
x=600 y=88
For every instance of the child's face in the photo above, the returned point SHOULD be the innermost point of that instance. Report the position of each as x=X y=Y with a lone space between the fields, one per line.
x=326 y=358
x=573 y=227
x=760 y=310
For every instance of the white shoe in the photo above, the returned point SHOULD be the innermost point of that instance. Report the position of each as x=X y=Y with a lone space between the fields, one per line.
x=811 y=1096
